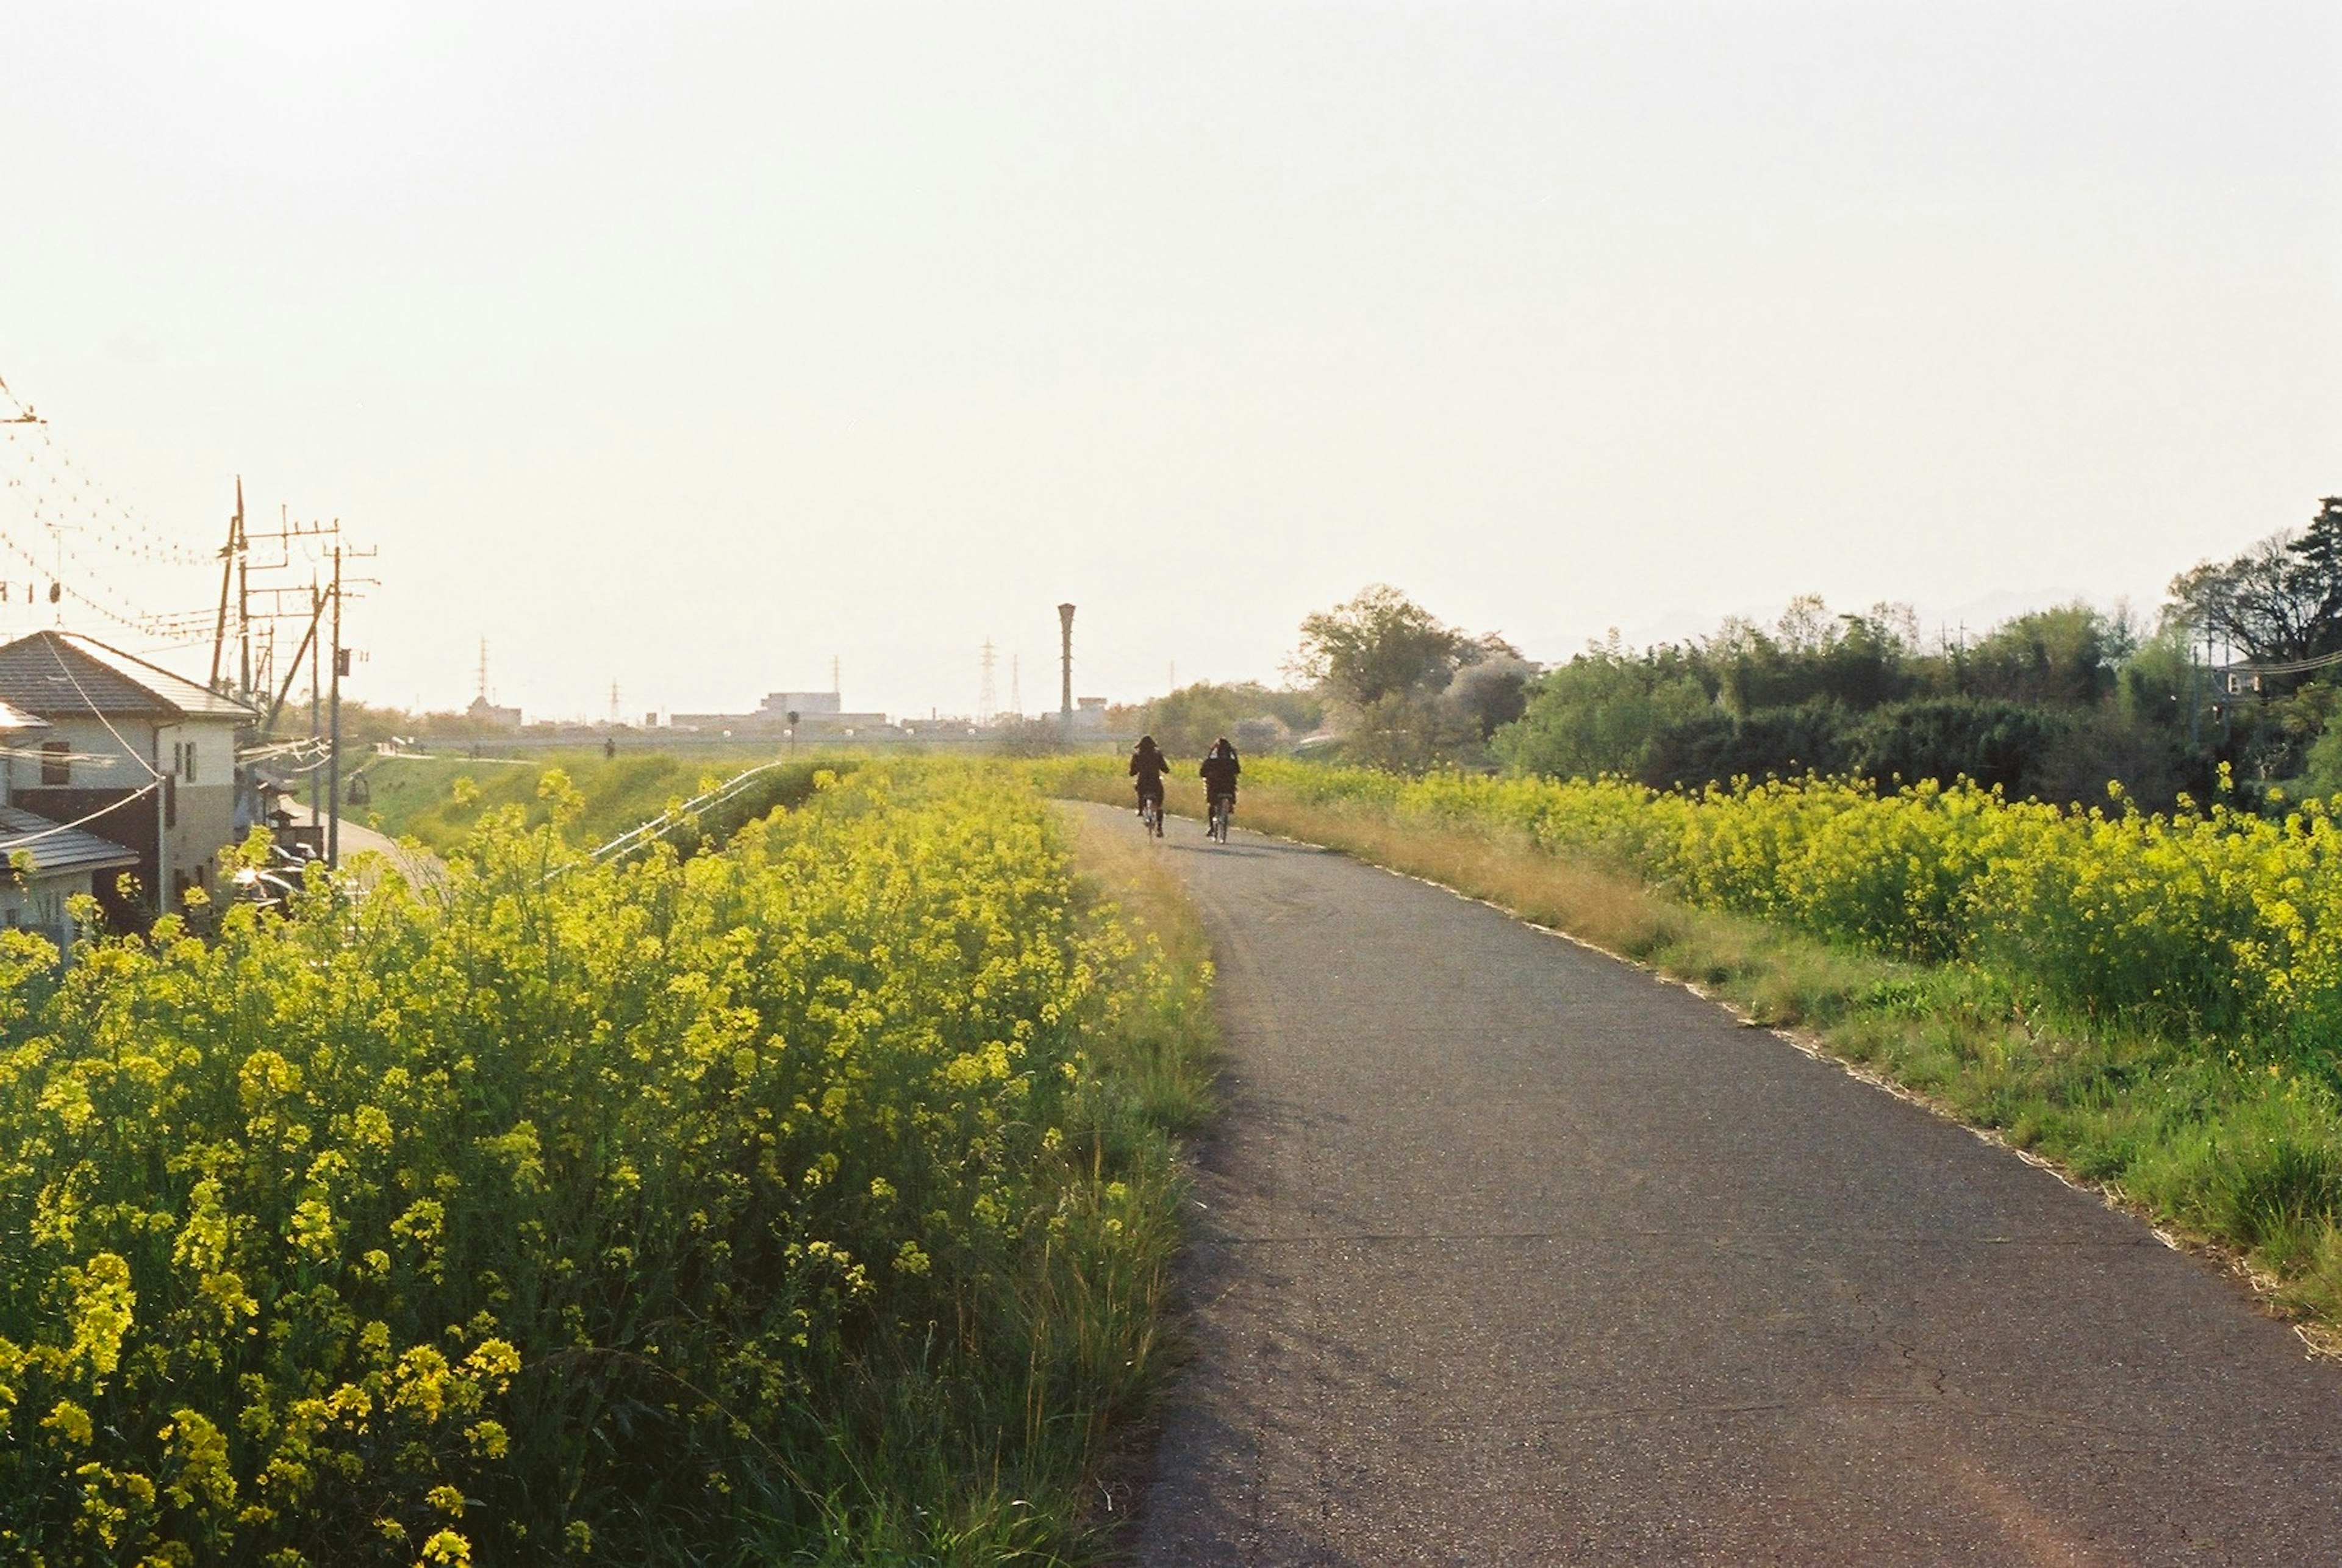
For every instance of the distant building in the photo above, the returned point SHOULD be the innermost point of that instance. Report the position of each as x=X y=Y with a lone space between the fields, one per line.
x=779 y=705
x=135 y=756
x=485 y=713
x=815 y=712
x=1089 y=712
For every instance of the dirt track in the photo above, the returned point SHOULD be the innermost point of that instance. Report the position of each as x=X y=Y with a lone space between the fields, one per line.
x=1510 y=1254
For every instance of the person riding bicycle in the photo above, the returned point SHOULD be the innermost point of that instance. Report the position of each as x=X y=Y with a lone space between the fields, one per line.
x=1220 y=774
x=1147 y=765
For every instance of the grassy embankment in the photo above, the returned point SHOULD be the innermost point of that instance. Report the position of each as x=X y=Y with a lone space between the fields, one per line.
x=2155 y=1007
x=418 y=797
x=811 y=1198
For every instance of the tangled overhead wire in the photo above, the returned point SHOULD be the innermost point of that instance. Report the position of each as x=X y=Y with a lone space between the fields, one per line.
x=62 y=498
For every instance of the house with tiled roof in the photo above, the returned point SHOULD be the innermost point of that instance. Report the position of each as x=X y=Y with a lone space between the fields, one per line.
x=127 y=752
x=43 y=863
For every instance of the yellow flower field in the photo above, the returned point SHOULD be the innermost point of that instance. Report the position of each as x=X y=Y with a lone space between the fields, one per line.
x=777 y=1200
x=2215 y=924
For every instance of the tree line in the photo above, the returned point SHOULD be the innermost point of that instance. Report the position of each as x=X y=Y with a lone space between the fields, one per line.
x=2241 y=666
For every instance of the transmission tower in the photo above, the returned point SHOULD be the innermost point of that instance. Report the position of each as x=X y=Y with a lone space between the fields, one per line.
x=986 y=698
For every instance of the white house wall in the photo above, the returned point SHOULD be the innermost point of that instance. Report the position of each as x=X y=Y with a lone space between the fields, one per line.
x=205 y=807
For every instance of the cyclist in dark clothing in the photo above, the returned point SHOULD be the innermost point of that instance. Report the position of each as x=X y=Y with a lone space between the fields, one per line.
x=1219 y=773
x=1147 y=765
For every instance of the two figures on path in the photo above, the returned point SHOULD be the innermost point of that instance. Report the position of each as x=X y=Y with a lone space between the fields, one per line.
x=1218 y=772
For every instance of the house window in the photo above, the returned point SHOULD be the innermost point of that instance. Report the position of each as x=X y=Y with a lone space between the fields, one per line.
x=187 y=761
x=56 y=769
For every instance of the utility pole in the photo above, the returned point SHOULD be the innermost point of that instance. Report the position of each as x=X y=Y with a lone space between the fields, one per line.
x=2228 y=698
x=323 y=611
x=293 y=671
x=229 y=555
x=2195 y=702
x=316 y=713
x=835 y=689
x=244 y=618
x=334 y=756
x=1065 y=668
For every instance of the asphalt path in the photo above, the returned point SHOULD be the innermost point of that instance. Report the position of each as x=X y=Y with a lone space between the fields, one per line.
x=420 y=867
x=1509 y=1253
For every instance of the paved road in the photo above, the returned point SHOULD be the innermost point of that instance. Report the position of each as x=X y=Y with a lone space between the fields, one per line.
x=420 y=867
x=1512 y=1256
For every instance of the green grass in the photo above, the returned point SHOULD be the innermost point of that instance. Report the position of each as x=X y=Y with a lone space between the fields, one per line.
x=418 y=797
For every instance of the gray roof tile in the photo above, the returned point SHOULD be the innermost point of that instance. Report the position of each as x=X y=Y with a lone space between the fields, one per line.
x=58 y=674
x=58 y=850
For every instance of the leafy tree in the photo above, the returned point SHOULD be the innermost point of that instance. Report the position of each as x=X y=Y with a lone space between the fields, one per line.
x=2157 y=681
x=2322 y=768
x=2063 y=655
x=1186 y=721
x=2281 y=599
x=1383 y=645
x=1715 y=748
x=2086 y=750
x=1488 y=694
x=1602 y=712
x=1810 y=654
x=1388 y=666
x=1946 y=738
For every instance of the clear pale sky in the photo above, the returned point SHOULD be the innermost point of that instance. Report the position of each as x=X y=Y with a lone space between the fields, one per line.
x=690 y=346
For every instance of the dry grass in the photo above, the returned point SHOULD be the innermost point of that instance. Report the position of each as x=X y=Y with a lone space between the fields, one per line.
x=1166 y=1052
x=1125 y=868
x=1589 y=902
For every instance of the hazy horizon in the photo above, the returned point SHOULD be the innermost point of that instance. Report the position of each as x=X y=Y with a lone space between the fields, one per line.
x=693 y=348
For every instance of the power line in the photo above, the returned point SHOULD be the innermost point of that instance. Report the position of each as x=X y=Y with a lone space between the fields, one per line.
x=111 y=520
x=168 y=625
x=90 y=704
x=62 y=498
x=2282 y=666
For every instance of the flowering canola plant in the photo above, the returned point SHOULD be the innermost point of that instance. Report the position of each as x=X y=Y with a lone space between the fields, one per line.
x=2217 y=924
x=559 y=1210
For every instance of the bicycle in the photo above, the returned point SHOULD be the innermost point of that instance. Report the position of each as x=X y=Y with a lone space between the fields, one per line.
x=1150 y=815
x=1222 y=807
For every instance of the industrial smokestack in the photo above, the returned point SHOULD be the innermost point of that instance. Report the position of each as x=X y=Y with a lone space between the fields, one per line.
x=1065 y=694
